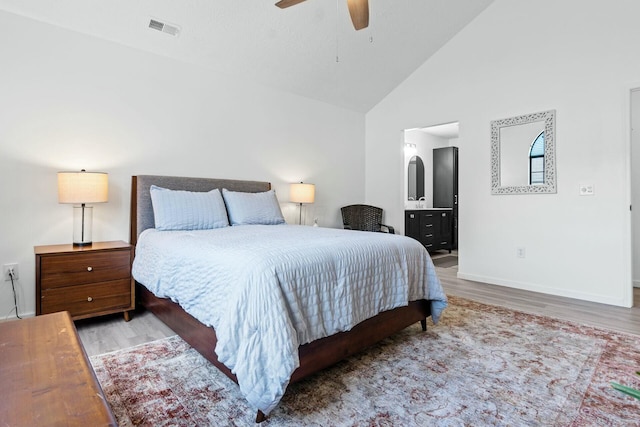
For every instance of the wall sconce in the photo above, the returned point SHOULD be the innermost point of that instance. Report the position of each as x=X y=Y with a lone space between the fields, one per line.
x=302 y=193
x=410 y=148
x=80 y=188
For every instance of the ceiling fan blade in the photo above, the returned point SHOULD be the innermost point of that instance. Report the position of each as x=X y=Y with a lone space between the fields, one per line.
x=359 y=11
x=286 y=3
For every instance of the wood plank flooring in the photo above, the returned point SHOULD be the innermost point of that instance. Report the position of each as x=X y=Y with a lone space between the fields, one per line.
x=110 y=333
x=589 y=313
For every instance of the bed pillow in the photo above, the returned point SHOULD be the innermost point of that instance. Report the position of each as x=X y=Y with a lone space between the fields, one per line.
x=253 y=208
x=188 y=210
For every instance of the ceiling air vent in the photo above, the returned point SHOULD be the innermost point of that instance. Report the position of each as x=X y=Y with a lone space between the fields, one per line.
x=173 y=30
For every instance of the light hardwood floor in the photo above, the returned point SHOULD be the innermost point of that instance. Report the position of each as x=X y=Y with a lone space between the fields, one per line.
x=589 y=313
x=110 y=333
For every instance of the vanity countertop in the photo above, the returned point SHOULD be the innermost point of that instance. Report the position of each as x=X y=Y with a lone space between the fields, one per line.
x=427 y=209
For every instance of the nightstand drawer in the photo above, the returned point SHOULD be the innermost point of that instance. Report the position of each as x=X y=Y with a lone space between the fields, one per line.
x=84 y=299
x=75 y=269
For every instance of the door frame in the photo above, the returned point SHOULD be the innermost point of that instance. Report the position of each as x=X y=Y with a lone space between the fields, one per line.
x=628 y=225
x=633 y=93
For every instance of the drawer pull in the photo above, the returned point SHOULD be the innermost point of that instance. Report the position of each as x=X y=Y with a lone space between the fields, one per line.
x=89 y=268
x=89 y=299
x=428 y=225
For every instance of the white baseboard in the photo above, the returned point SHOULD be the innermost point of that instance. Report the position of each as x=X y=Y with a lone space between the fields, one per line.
x=14 y=317
x=620 y=302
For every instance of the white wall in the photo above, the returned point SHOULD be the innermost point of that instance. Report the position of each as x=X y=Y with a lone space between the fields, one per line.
x=579 y=58
x=70 y=101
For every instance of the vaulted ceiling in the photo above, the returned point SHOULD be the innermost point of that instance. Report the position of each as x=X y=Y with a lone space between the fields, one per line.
x=310 y=49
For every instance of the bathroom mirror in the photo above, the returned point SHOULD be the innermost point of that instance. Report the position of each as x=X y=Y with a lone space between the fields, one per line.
x=523 y=154
x=415 y=173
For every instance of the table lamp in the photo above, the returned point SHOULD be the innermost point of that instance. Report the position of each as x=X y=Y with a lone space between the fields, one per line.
x=302 y=193
x=80 y=188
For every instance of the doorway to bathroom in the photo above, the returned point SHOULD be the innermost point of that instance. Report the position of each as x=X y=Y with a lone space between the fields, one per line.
x=431 y=182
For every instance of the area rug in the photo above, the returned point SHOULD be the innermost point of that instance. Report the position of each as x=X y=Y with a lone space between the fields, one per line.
x=446 y=261
x=480 y=366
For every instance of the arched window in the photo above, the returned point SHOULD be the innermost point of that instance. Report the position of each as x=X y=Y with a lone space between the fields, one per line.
x=536 y=160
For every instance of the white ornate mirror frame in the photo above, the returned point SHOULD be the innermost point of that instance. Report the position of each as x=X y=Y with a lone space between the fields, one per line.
x=549 y=185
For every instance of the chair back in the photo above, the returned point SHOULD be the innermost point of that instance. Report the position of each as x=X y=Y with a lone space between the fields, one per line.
x=362 y=217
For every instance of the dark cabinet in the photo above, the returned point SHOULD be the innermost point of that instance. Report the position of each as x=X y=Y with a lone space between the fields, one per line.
x=445 y=185
x=431 y=227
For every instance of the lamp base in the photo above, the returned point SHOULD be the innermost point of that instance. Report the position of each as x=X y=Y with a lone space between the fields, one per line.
x=300 y=217
x=82 y=244
x=82 y=222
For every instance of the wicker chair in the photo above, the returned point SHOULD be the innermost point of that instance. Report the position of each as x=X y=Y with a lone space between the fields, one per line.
x=364 y=218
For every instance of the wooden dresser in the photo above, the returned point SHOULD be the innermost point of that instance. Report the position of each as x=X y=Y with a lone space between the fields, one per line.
x=86 y=281
x=46 y=377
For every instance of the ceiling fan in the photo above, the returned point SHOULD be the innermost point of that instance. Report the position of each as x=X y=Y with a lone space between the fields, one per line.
x=358 y=9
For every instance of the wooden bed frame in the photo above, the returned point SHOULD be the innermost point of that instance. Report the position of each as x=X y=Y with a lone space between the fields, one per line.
x=313 y=356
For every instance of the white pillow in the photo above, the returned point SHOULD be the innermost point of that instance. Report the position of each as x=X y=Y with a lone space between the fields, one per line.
x=253 y=208
x=188 y=210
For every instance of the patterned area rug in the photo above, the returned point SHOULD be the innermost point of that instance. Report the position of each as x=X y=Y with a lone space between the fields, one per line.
x=481 y=365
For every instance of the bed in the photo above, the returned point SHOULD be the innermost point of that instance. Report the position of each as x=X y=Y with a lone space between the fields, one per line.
x=303 y=352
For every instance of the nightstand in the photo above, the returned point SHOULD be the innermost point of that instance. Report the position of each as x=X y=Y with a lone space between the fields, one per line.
x=86 y=281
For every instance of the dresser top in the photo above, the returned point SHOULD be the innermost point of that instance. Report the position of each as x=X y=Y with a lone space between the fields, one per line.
x=47 y=377
x=68 y=247
x=428 y=209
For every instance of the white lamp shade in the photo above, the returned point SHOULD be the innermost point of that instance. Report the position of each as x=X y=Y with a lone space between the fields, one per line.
x=83 y=187
x=302 y=193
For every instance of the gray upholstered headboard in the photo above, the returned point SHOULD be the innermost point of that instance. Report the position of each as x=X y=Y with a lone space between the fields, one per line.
x=142 y=211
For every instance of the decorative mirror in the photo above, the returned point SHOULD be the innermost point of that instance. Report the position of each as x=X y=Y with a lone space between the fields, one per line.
x=415 y=173
x=523 y=154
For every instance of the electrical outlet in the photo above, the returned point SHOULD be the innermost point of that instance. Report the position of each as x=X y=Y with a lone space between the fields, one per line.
x=586 y=190
x=521 y=253
x=5 y=272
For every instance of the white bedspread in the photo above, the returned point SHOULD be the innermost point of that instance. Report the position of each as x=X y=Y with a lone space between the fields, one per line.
x=267 y=289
